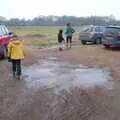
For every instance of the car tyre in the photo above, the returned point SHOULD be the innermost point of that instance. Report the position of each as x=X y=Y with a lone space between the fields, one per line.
x=3 y=53
x=107 y=46
x=98 y=41
x=83 y=42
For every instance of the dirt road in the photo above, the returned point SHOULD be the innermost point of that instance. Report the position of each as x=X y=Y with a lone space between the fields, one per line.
x=18 y=101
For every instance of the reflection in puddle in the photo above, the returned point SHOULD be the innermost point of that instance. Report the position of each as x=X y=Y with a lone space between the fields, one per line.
x=58 y=75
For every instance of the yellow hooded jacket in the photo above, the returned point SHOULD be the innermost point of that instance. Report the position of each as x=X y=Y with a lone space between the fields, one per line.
x=15 y=49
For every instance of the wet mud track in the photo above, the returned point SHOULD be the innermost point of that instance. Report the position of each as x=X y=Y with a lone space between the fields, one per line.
x=61 y=75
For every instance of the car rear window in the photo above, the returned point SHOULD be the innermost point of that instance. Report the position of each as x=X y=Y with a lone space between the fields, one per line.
x=112 y=30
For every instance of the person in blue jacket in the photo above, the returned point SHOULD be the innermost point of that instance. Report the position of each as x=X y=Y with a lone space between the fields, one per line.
x=69 y=33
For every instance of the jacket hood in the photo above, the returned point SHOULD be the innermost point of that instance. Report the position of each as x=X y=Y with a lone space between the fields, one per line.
x=16 y=42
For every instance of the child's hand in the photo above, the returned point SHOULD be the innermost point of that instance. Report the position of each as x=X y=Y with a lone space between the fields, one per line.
x=9 y=59
x=22 y=58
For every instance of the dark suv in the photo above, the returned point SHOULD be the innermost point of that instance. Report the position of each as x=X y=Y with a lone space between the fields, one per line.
x=92 y=34
x=111 y=36
x=5 y=37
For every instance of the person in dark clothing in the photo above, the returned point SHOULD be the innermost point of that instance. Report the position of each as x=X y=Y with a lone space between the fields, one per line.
x=60 y=39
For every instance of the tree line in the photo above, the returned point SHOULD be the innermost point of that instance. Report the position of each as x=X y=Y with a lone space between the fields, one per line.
x=61 y=21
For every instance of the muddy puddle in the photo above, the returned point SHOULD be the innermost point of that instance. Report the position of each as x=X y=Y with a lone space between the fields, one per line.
x=54 y=74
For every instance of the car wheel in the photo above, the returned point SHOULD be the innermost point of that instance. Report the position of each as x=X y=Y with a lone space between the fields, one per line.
x=98 y=41
x=2 y=52
x=83 y=42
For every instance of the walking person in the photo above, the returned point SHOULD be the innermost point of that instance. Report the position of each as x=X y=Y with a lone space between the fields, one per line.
x=15 y=55
x=69 y=33
x=60 y=40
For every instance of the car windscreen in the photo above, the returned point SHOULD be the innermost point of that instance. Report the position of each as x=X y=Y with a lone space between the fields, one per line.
x=112 y=30
x=1 y=31
x=5 y=30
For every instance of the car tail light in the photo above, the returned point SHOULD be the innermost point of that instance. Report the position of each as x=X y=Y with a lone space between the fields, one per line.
x=118 y=34
x=0 y=40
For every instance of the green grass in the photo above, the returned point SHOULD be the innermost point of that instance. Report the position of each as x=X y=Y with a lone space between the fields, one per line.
x=50 y=33
x=44 y=30
x=50 y=40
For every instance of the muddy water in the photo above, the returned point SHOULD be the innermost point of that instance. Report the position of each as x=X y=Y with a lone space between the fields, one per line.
x=54 y=74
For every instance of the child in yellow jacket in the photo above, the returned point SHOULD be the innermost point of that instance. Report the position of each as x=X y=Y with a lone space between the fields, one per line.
x=16 y=54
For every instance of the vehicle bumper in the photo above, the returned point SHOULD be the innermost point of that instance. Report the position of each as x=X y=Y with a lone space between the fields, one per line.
x=112 y=43
x=115 y=44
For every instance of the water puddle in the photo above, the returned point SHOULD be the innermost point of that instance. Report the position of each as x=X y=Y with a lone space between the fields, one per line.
x=54 y=74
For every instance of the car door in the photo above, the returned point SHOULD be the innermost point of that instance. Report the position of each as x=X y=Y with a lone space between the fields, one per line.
x=2 y=38
x=97 y=32
x=85 y=33
x=102 y=30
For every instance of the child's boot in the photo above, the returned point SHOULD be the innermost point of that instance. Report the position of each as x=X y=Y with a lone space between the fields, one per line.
x=18 y=77
x=70 y=45
x=67 y=45
x=60 y=49
x=14 y=75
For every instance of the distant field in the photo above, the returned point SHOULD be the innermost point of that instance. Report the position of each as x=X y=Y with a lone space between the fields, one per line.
x=38 y=35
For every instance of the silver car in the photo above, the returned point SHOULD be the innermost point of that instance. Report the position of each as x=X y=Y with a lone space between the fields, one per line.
x=92 y=34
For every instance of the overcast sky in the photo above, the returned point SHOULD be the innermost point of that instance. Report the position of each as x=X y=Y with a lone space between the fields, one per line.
x=33 y=8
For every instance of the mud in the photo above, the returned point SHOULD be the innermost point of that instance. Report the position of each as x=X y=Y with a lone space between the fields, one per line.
x=58 y=75
x=34 y=98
